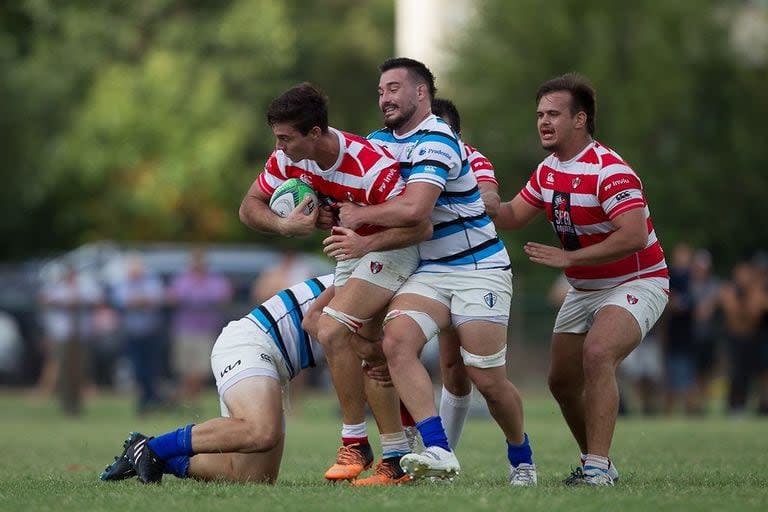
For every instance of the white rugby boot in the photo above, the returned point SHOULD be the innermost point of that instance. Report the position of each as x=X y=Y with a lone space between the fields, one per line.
x=434 y=462
x=523 y=475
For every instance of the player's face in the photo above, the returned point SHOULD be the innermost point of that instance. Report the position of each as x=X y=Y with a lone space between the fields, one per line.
x=555 y=122
x=292 y=142
x=398 y=97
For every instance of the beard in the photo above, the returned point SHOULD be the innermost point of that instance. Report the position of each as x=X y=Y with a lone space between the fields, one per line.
x=397 y=122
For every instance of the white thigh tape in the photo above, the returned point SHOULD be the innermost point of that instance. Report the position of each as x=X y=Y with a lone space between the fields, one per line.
x=352 y=323
x=491 y=361
x=425 y=322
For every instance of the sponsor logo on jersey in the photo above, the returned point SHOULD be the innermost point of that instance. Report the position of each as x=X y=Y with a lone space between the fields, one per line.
x=229 y=368
x=616 y=183
x=623 y=195
x=576 y=181
x=409 y=150
x=631 y=299
x=265 y=357
x=562 y=221
x=490 y=299
x=550 y=177
x=376 y=267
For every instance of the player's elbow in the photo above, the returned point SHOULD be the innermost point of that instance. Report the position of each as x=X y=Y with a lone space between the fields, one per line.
x=427 y=228
x=243 y=212
x=638 y=241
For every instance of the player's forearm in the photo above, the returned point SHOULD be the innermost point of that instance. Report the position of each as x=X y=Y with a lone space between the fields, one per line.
x=392 y=213
x=515 y=214
x=617 y=246
x=257 y=216
x=397 y=238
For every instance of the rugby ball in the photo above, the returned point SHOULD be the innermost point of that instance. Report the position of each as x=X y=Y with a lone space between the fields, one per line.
x=289 y=195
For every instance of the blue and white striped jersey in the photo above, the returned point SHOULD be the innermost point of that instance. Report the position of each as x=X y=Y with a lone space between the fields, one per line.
x=280 y=317
x=464 y=237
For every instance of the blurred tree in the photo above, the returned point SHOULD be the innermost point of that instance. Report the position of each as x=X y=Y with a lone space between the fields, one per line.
x=673 y=98
x=145 y=120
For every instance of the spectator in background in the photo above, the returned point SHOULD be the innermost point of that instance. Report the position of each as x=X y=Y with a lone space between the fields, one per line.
x=678 y=340
x=140 y=297
x=67 y=305
x=760 y=262
x=745 y=303
x=704 y=291
x=198 y=297
x=287 y=272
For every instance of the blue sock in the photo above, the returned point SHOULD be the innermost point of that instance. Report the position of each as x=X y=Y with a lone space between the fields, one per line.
x=433 y=433
x=176 y=442
x=521 y=453
x=177 y=466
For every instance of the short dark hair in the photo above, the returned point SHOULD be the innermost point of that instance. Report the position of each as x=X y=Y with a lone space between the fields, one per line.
x=444 y=108
x=582 y=95
x=418 y=71
x=304 y=106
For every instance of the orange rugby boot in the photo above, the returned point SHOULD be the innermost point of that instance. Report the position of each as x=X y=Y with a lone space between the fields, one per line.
x=388 y=472
x=352 y=460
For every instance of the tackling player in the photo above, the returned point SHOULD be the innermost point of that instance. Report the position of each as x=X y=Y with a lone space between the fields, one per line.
x=253 y=360
x=474 y=299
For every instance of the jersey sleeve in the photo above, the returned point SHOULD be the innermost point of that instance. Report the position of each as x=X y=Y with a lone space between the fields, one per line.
x=620 y=190
x=433 y=158
x=273 y=174
x=532 y=190
x=481 y=166
x=385 y=183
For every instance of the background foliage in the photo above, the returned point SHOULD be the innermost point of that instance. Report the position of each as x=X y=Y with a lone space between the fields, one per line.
x=143 y=120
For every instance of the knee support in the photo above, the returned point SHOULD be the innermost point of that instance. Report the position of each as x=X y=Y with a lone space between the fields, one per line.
x=491 y=361
x=349 y=321
x=428 y=326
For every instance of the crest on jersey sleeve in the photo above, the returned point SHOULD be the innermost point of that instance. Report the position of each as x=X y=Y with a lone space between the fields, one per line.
x=490 y=299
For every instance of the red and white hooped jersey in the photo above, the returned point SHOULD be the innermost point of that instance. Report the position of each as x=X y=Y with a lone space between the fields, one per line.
x=480 y=165
x=581 y=197
x=365 y=173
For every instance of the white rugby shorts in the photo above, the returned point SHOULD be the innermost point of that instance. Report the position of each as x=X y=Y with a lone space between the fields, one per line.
x=244 y=350
x=388 y=269
x=643 y=299
x=480 y=294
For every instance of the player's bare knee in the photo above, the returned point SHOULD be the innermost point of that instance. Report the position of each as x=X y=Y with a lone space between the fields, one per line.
x=262 y=439
x=332 y=335
x=596 y=359
x=488 y=382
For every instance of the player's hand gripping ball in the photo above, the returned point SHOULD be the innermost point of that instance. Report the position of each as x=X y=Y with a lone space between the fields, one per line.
x=289 y=195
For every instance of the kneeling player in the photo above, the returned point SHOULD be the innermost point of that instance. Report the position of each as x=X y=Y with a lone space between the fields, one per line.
x=253 y=360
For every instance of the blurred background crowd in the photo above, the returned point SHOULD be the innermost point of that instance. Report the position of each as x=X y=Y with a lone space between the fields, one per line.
x=109 y=319
x=143 y=123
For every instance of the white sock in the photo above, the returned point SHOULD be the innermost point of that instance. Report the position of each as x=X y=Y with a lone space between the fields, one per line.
x=394 y=445
x=597 y=461
x=358 y=431
x=453 y=411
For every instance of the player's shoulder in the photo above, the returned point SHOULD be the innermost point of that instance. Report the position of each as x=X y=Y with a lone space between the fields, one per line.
x=606 y=157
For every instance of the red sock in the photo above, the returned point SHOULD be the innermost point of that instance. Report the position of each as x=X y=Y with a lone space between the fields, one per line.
x=405 y=417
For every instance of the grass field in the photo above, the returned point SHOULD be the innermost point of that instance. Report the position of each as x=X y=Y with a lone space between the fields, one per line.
x=49 y=462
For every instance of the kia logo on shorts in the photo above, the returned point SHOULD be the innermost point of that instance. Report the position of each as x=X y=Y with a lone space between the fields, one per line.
x=230 y=367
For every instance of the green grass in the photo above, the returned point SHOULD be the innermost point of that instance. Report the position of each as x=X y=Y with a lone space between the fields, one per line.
x=50 y=462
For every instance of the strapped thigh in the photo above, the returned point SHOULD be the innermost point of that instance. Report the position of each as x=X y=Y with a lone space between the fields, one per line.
x=491 y=361
x=425 y=322
x=352 y=323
